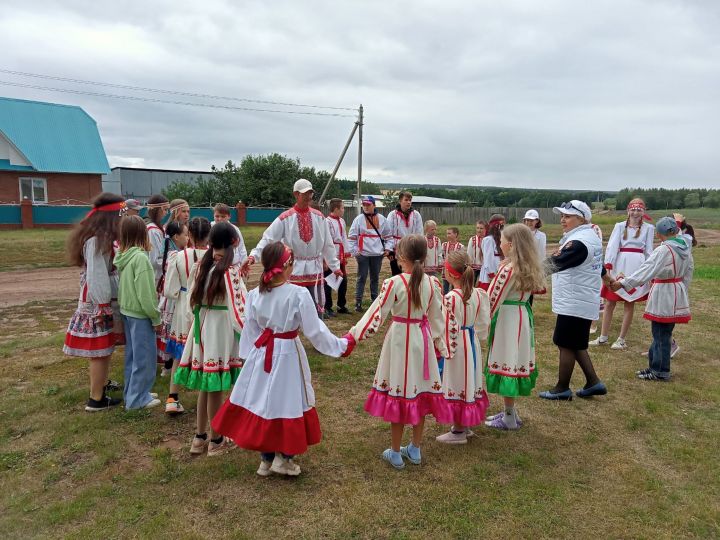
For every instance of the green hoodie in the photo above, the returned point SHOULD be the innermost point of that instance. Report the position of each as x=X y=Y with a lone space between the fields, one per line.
x=136 y=294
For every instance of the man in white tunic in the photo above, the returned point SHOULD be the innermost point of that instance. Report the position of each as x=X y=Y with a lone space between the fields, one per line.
x=305 y=230
x=402 y=221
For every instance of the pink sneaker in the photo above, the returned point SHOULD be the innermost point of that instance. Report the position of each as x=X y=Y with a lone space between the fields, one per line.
x=452 y=438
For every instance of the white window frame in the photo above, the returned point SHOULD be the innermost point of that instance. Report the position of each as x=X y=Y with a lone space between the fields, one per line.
x=33 y=180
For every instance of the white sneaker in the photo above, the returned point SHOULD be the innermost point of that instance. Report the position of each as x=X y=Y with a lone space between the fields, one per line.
x=593 y=329
x=619 y=345
x=153 y=395
x=452 y=438
x=280 y=465
x=264 y=469
x=599 y=341
x=154 y=403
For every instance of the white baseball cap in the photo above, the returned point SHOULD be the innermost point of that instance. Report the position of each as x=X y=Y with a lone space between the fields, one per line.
x=532 y=214
x=574 y=208
x=302 y=186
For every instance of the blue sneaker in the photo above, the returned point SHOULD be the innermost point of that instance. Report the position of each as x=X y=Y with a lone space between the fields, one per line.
x=411 y=453
x=567 y=395
x=598 y=389
x=394 y=458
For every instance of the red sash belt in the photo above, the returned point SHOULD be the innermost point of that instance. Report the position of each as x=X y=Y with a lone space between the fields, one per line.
x=425 y=329
x=341 y=253
x=669 y=280
x=267 y=340
x=632 y=250
x=361 y=238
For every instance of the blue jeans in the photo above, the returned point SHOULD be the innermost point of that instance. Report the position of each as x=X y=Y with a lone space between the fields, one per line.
x=368 y=264
x=140 y=362
x=659 y=353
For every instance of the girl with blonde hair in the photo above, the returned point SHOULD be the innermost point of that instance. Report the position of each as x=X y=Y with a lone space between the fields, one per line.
x=511 y=369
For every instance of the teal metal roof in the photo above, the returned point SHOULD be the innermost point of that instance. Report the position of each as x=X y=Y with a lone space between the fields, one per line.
x=53 y=137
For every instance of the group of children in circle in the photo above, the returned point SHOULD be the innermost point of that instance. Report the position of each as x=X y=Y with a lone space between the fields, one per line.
x=178 y=291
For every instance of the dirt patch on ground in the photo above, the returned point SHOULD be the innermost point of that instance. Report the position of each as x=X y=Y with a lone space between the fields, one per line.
x=17 y=288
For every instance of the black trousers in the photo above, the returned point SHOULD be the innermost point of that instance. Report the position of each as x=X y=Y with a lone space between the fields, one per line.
x=341 y=292
x=394 y=266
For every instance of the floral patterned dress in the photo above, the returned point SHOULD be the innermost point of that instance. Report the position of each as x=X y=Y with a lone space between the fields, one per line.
x=210 y=361
x=510 y=369
x=407 y=382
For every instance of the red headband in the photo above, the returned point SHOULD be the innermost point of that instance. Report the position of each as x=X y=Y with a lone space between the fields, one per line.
x=495 y=222
x=450 y=270
x=112 y=207
x=278 y=268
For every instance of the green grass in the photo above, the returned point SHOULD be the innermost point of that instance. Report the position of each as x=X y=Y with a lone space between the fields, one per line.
x=640 y=462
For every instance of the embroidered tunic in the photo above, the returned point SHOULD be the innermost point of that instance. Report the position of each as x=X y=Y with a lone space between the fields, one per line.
x=449 y=247
x=466 y=326
x=338 y=233
x=510 y=369
x=434 y=258
x=272 y=405
x=307 y=234
x=407 y=382
x=491 y=260
x=398 y=226
x=626 y=255
x=475 y=251
x=210 y=360
x=157 y=244
x=364 y=240
x=176 y=290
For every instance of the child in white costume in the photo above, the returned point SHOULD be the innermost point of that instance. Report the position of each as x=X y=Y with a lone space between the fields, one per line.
x=272 y=406
x=669 y=269
x=474 y=248
x=630 y=243
x=176 y=290
x=492 y=254
x=407 y=384
x=434 y=258
x=467 y=316
x=210 y=362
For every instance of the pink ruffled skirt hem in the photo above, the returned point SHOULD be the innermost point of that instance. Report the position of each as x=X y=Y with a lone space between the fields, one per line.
x=401 y=410
x=464 y=413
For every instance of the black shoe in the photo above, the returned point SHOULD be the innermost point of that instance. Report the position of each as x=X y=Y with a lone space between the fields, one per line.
x=358 y=308
x=330 y=313
x=343 y=310
x=105 y=403
x=112 y=386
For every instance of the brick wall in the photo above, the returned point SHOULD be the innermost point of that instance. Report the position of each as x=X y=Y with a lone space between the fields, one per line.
x=81 y=187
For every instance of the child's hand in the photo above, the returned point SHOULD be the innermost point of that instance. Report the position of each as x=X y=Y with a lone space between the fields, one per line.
x=350 y=344
x=157 y=328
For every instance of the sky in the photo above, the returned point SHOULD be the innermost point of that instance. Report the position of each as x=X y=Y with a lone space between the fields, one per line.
x=552 y=94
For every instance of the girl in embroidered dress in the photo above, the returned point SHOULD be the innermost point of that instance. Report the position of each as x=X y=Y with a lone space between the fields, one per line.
x=467 y=316
x=630 y=244
x=272 y=406
x=407 y=384
x=90 y=331
x=452 y=244
x=434 y=258
x=492 y=253
x=157 y=206
x=176 y=238
x=475 y=248
x=210 y=361
x=175 y=290
x=511 y=370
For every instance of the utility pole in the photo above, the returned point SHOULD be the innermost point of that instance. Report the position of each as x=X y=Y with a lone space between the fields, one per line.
x=360 y=152
x=339 y=162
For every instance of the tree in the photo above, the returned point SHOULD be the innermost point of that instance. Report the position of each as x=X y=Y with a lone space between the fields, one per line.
x=692 y=200
x=712 y=200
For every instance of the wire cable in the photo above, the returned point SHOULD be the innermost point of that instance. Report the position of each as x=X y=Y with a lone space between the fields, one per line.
x=169 y=102
x=173 y=92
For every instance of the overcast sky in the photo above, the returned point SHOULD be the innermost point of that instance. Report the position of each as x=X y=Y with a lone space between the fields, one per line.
x=507 y=93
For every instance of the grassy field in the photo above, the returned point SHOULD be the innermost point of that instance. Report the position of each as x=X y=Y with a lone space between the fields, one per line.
x=639 y=463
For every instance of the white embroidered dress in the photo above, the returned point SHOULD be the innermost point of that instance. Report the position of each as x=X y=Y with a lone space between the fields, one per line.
x=491 y=260
x=474 y=251
x=434 y=258
x=626 y=255
x=210 y=360
x=272 y=405
x=176 y=289
x=466 y=327
x=407 y=383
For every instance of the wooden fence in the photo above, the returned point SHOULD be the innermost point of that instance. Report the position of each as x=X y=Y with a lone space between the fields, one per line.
x=466 y=215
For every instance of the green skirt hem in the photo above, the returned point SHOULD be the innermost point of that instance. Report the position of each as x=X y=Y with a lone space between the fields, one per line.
x=510 y=386
x=215 y=381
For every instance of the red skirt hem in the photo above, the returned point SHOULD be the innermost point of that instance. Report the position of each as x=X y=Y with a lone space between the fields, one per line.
x=611 y=296
x=681 y=320
x=97 y=343
x=290 y=436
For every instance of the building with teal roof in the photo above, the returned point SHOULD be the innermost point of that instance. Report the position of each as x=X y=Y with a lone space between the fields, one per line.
x=49 y=153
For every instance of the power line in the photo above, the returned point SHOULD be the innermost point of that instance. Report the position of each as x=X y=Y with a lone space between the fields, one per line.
x=155 y=100
x=173 y=92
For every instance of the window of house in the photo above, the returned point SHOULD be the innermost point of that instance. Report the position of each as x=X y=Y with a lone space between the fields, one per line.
x=34 y=189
